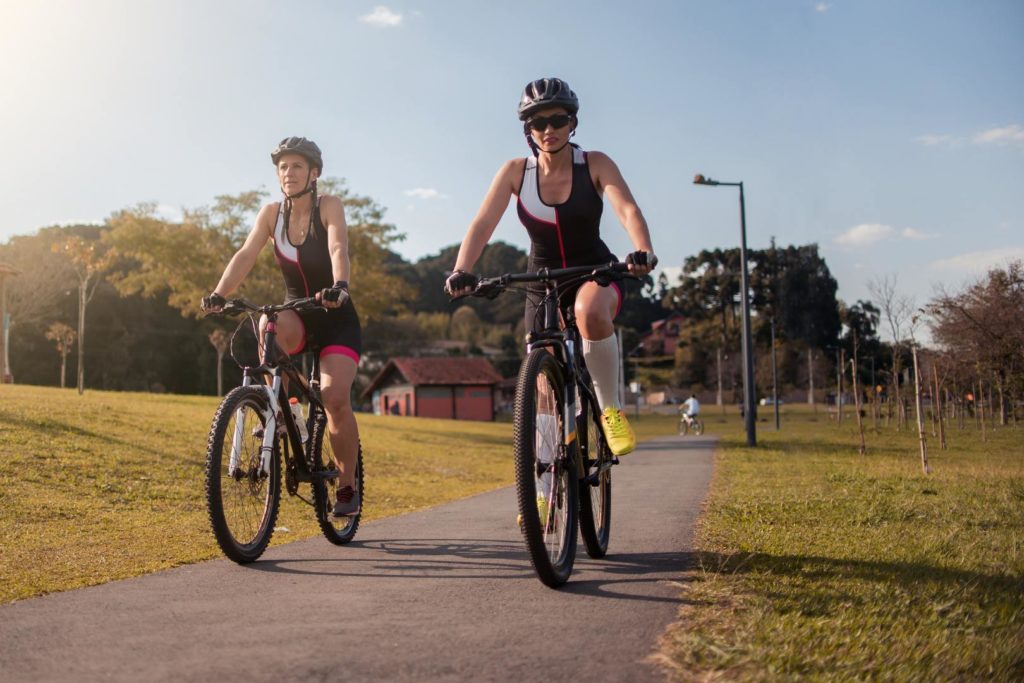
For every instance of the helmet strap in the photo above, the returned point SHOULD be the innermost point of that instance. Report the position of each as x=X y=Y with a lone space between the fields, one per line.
x=310 y=188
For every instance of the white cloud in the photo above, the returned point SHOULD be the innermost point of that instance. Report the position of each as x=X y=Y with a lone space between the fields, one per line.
x=382 y=16
x=977 y=262
x=1012 y=135
x=823 y=7
x=864 y=234
x=1007 y=135
x=912 y=234
x=932 y=140
x=425 y=193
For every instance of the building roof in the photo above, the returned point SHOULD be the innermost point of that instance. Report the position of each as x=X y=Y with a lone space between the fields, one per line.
x=438 y=370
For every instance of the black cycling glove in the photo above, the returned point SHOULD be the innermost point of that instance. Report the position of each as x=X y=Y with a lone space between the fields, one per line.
x=213 y=300
x=460 y=280
x=642 y=258
x=336 y=292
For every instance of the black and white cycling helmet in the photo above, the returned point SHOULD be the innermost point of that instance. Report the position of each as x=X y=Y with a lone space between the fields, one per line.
x=547 y=92
x=302 y=146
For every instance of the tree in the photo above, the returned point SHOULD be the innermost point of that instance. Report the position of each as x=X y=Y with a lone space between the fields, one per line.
x=87 y=263
x=183 y=261
x=897 y=311
x=221 y=341
x=377 y=287
x=981 y=327
x=64 y=336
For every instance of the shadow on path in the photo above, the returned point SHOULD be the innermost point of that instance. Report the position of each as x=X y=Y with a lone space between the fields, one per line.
x=488 y=559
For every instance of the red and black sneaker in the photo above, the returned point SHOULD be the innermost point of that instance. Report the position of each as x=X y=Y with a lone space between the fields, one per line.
x=348 y=502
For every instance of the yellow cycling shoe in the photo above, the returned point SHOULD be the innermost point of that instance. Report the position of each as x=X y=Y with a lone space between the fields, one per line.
x=617 y=431
x=542 y=512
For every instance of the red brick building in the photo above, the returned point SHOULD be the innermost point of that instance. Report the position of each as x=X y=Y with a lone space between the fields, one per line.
x=663 y=336
x=447 y=387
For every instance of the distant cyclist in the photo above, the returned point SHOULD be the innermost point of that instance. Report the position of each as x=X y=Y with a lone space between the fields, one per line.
x=311 y=246
x=690 y=408
x=560 y=190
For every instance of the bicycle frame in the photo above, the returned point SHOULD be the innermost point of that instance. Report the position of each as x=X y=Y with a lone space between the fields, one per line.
x=566 y=342
x=275 y=365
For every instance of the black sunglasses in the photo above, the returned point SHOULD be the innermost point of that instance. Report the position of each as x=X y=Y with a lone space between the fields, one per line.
x=540 y=123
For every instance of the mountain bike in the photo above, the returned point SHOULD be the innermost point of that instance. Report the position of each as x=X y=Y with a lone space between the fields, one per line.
x=254 y=428
x=558 y=444
x=688 y=423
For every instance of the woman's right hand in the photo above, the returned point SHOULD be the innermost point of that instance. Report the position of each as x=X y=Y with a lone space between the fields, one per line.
x=460 y=283
x=212 y=303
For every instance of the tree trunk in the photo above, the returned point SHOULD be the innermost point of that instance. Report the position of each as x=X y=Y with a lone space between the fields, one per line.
x=718 y=387
x=81 y=334
x=895 y=395
x=839 y=387
x=979 y=400
x=220 y=372
x=856 y=398
x=63 y=367
x=937 y=409
x=920 y=415
x=810 y=377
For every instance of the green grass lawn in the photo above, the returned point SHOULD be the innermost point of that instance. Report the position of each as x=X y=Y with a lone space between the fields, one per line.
x=110 y=485
x=819 y=563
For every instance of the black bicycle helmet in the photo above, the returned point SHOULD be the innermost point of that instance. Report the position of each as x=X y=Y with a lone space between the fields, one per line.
x=297 y=145
x=547 y=92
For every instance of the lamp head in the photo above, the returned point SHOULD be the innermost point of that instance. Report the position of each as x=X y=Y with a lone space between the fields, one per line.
x=701 y=180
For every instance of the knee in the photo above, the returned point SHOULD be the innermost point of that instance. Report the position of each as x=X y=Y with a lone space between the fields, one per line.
x=337 y=403
x=593 y=322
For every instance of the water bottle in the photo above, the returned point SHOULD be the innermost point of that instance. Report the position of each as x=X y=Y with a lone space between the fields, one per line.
x=300 y=419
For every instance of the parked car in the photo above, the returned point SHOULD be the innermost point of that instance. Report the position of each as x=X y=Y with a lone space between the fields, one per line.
x=770 y=402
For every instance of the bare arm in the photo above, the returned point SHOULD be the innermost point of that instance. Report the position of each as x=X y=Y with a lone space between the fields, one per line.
x=245 y=258
x=480 y=230
x=610 y=181
x=337 y=241
x=337 y=237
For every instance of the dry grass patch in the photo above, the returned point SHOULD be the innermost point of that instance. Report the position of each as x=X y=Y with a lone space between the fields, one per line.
x=110 y=485
x=819 y=563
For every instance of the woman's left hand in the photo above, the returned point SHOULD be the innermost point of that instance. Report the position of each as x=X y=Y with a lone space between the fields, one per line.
x=641 y=262
x=333 y=296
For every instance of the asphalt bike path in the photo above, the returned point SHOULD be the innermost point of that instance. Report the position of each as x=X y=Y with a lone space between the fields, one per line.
x=446 y=594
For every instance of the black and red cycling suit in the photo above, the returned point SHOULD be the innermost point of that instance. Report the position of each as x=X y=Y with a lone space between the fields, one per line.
x=307 y=269
x=562 y=235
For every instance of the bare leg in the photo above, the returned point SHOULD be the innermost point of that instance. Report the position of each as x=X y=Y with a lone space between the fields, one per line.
x=337 y=371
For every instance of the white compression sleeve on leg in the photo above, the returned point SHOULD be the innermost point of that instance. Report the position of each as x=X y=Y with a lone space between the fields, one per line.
x=602 y=357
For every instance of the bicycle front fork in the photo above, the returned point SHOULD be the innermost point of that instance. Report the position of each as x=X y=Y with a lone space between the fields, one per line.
x=269 y=429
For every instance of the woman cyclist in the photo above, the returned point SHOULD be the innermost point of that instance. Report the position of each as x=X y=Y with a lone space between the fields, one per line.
x=311 y=246
x=559 y=190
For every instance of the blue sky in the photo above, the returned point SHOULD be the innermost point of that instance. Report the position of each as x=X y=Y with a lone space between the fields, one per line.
x=891 y=133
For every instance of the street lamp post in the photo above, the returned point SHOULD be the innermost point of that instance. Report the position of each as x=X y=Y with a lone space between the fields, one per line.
x=775 y=379
x=750 y=407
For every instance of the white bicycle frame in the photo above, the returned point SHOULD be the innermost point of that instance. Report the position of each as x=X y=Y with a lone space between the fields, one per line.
x=269 y=429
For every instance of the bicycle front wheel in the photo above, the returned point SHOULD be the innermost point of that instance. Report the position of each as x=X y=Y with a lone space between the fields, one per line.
x=546 y=474
x=337 y=530
x=242 y=495
x=684 y=427
x=596 y=496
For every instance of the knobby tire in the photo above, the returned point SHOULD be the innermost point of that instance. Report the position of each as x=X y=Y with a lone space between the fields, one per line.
x=243 y=504
x=596 y=497
x=551 y=543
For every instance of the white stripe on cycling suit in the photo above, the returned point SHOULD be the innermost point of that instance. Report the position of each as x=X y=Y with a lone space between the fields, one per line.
x=529 y=193
x=284 y=247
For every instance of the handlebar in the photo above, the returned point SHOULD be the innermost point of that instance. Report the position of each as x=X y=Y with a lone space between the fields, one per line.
x=240 y=306
x=490 y=287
